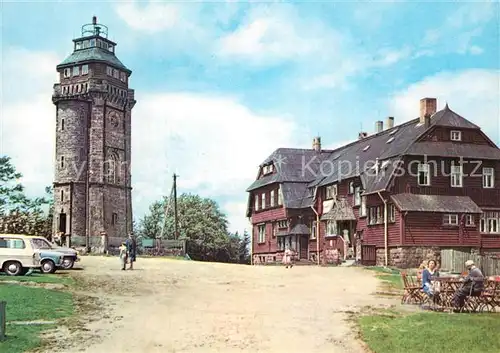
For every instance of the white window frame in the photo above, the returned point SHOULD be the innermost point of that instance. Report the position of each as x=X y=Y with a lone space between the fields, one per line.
x=85 y=69
x=256 y=202
x=109 y=70
x=456 y=176
x=450 y=219
x=76 y=70
x=67 y=72
x=331 y=228
x=313 y=230
x=116 y=73
x=271 y=198
x=362 y=210
x=357 y=196
x=392 y=213
x=263 y=201
x=351 y=187
x=469 y=220
x=488 y=178
x=380 y=215
x=280 y=197
x=482 y=224
x=425 y=169
x=490 y=223
x=123 y=77
x=261 y=228
x=455 y=135
x=372 y=215
x=331 y=192
x=283 y=224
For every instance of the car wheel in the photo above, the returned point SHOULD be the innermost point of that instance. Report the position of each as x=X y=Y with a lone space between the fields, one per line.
x=13 y=268
x=68 y=263
x=48 y=266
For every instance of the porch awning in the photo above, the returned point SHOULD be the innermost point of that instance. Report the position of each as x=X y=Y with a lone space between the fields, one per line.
x=341 y=211
x=281 y=233
x=435 y=203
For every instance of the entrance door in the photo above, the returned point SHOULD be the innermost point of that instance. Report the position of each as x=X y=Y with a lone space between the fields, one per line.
x=62 y=222
x=304 y=247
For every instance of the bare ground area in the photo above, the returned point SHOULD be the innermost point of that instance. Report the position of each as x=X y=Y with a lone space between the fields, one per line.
x=186 y=306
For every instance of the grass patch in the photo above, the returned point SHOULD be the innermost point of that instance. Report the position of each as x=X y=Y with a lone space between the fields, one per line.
x=56 y=278
x=26 y=303
x=390 y=277
x=431 y=333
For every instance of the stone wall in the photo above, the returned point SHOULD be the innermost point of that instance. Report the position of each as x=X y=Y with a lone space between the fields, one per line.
x=408 y=257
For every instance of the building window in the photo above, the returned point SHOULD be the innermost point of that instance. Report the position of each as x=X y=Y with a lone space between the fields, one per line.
x=313 y=230
x=123 y=77
x=351 y=188
x=263 y=203
x=456 y=135
x=392 y=213
x=331 y=192
x=490 y=222
x=85 y=69
x=67 y=72
x=256 y=202
x=76 y=70
x=109 y=71
x=380 y=217
x=116 y=73
x=331 y=228
x=271 y=198
x=114 y=219
x=469 y=220
x=262 y=233
x=423 y=174
x=62 y=161
x=357 y=196
x=283 y=224
x=488 y=178
x=450 y=220
x=362 y=210
x=281 y=243
x=372 y=215
x=62 y=124
x=92 y=43
x=111 y=48
x=62 y=195
x=456 y=176
x=280 y=197
x=78 y=45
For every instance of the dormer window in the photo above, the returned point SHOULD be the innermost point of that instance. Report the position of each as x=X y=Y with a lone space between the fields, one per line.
x=67 y=72
x=456 y=135
x=366 y=148
x=390 y=140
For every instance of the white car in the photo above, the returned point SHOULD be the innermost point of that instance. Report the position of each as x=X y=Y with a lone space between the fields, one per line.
x=17 y=255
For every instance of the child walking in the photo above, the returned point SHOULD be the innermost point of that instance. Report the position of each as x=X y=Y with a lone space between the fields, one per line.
x=123 y=255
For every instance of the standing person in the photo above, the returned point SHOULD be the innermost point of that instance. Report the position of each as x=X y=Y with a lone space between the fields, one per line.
x=123 y=255
x=131 y=250
x=287 y=257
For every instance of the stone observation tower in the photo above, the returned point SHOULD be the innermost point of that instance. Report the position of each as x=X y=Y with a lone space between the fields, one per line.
x=92 y=188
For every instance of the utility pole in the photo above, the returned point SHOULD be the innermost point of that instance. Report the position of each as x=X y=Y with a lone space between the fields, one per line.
x=176 y=219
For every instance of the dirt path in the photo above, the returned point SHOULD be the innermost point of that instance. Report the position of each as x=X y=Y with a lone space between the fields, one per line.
x=185 y=306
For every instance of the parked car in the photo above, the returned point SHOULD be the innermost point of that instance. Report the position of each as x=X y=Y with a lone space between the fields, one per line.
x=70 y=255
x=49 y=260
x=17 y=255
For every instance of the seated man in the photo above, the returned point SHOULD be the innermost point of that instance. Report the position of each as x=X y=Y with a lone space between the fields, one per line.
x=472 y=285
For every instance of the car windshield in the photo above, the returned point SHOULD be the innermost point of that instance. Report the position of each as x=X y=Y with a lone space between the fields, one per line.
x=40 y=244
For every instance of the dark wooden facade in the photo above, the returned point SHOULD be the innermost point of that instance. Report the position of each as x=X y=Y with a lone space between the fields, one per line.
x=411 y=201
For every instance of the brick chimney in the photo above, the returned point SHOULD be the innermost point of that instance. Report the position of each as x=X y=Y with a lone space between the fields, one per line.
x=317 y=143
x=390 y=122
x=362 y=135
x=379 y=126
x=428 y=106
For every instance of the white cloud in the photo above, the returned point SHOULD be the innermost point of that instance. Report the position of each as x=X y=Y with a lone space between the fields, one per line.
x=214 y=143
x=154 y=17
x=474 y=94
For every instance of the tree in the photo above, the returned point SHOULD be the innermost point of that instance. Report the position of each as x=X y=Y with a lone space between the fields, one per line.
x=244 y=249
x=18 y=213
x=150 y=224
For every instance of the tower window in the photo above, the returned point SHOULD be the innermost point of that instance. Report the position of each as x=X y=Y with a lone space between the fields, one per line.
x=109 y=71
x=85 y=69
x=114 y=219
x=92 y=43
x=85 y=44
x=62 y=195
x=76 y=70
x=62 y=124
x=111 y=49
x=78 y=45
x=116 y=73
x=67 y=72
x=62 y=161
x=123 y=77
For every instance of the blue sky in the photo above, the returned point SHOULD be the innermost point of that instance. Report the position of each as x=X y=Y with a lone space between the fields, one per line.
x=220 y=85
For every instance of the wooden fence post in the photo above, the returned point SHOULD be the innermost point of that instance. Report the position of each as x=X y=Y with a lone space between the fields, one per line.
x=3 y=319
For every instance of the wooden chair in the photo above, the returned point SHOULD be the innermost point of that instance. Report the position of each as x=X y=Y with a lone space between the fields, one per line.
x=487 y=301
x=412 y=292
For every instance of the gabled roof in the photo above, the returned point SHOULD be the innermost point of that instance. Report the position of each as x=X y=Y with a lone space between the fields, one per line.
x=296 y=195
x=449 y=118
x=341 y=211
x=93 y=54
x=435 y=203
x=291 y=165
x=300 y=229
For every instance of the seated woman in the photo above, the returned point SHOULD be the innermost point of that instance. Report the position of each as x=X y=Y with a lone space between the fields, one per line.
x=427 y=275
